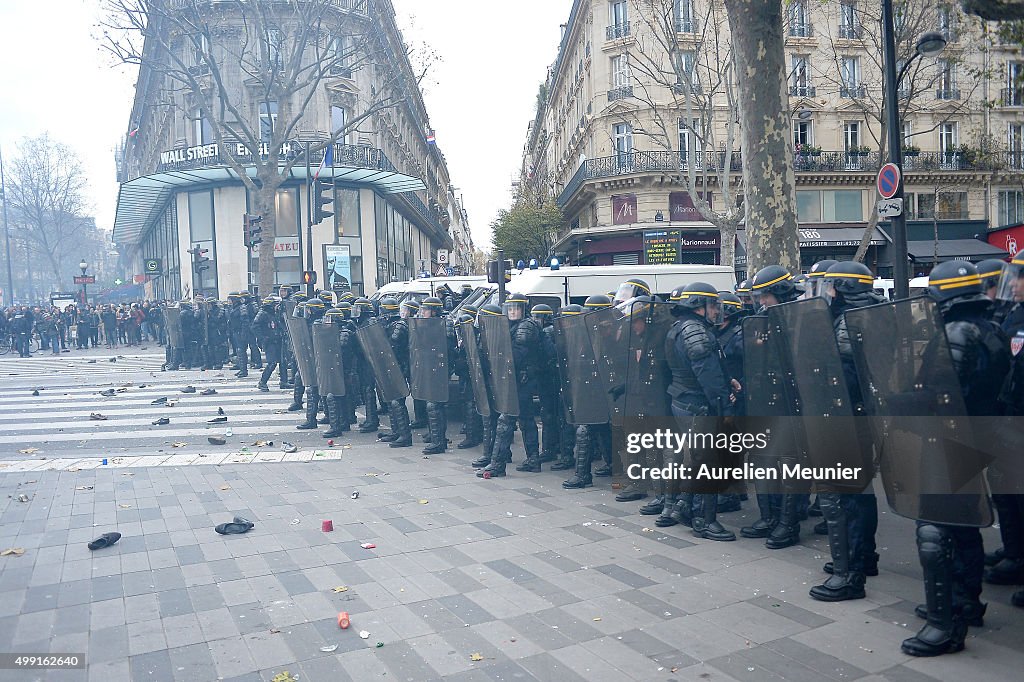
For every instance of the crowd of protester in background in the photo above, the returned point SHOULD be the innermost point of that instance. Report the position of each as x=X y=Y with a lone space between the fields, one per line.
x=81 y=327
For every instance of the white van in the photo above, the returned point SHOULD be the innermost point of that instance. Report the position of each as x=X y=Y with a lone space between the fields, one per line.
x=427 y=286
x=573 y=284
x=886 y=287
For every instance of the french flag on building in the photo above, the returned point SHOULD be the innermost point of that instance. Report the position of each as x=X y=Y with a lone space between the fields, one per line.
x=430 y=137
x=328 y=160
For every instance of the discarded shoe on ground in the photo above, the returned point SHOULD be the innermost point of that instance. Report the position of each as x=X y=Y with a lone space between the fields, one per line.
x=105 y=540
x=216 y=440
x=236 y=527
x=162 y=421
x=109 y=393
x=217 y=420
x=189 y=389
x=288 y=448
x=209 y=391
x=96 y=416
x=160 y=401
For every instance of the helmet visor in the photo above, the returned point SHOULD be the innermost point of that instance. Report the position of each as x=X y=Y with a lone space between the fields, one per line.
x=628 y=290
x=1011 y=282
x=514 y=310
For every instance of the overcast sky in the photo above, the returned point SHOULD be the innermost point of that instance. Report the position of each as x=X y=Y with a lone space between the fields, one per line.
x=54 y=78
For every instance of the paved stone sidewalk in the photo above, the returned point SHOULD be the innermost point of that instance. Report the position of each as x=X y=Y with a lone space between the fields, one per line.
x=543 y=584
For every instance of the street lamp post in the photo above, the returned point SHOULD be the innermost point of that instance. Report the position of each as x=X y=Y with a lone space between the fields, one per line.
x=85 y=300
x=930 y=44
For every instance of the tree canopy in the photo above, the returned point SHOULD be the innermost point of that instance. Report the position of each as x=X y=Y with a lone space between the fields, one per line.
x=527 y=230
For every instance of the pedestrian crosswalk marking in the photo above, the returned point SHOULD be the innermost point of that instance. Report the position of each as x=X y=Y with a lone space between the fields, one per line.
x=128 y=462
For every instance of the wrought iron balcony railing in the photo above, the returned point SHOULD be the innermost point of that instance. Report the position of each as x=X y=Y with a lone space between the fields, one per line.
x=853 y=91
x=695 y=89
x=616 y=31
x=948 y=94
x=686 y=25
x=802 y=91
x=353 y=156
x=1012 y=97
x=854 y=32
x=804 y=30
x=621 y=92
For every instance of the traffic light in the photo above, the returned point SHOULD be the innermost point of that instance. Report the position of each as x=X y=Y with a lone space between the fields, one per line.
x=200 y=261
x=323 y=196
x=252 y=230
x=309 y=277
x=495 y=270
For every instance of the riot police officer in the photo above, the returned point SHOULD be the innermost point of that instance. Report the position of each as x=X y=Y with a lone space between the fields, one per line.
x=216 y=335
x=547 y=384
x=350 y=352
x=312 y=310
x=331 y=369
x=362 y=314
x=397 y=329
x=953 y=557
x=780 y=513
x=268 y=328
x=437 y=410
x=238 y=323
x=567 y=432
x=700 y=387
x=250 y=310
x=472 y=420
x=188 y=334
x=490 y=422
x=852 y=520
x=298 y=389
x=630 y=289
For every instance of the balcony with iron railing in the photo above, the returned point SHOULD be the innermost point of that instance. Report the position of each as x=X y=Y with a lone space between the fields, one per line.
x=1012 y=97
x=680 y=88
x=851 y=31
x=621 y=92
x=801 y=30
x=686 y=25
x=814 y=161
x=853 y=91
x=948 y=94
x=348 y=155
x=802 y=91
x=616 y=31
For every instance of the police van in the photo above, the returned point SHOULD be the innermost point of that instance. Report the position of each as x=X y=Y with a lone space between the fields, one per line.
x=561 y=286
x=427 y=286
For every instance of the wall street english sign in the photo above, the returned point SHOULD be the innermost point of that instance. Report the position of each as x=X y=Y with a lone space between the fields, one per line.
x=205 y=155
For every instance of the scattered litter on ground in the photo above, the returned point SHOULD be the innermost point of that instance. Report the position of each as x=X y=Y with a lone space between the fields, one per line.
x=295 y=522
x=476 y=657
x=216 y=440
x=125 y=506
x=288 y=448
x=368 y=545
x=327 y=525
x=424 y=501
x=84 y=487
x=178 y=444
x=28 y=451
x=18 y=551
x=364 y=634
x=262 y=443
x=96 y=416
x=380 y=644
x=339 y=589
x=597 y=619
x=329 y=649
x=343 y=620
x=225 y=487
x=23 y=498
x=162 y=421
x=355 y=495
x=284 y=677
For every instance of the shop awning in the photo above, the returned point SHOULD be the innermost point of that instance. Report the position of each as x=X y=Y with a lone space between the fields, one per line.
x=953 y=249
x=142 y=200
x=820 y=236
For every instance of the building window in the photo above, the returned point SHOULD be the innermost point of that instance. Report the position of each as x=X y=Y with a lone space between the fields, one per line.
x=808 y=206
x=799 y=20
x=1013 y=95
x=849 y=24
x=851 y=136
x=684 y=17
x=945 y=84
x=272 y=48
x=268 y=120
x=947 y=140
x=618 y=15
x=338 y=122
x=346 y=218
x=1011 y=207
x=908 y=134
x=842 y=206
x=1015 y=145
x=202 y=130
x=802 y=136
x=800 y=76
x=202 y=234
x=338 y=53
x=944 y=206
x=622 y=134
x=849 y=72
x=690 y=139
x=947 y=23
x=620 y=71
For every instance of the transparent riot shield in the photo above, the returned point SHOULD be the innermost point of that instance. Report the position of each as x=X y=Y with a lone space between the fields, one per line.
x=302 y=347
x=583 y=389
x=504 y=379
x=647 y=371
x=609 y=337
x=330 y=367
x=477 y=374
x=810 y=357
x=930 y=469
x=376 y=345
x=172 y=316
x=766 y=386
x=428 y=359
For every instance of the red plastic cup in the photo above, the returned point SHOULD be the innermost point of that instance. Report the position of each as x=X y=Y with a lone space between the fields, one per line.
x=487 y=474
x=343 y=620
x=327 y=526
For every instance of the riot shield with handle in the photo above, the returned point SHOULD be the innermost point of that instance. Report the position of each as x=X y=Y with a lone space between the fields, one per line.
x=647 y=372
x=428 y=359
x=475 y=368
x=302 y=347
x=930 y=471
x=172 y=316
x=504 y=378
x=609 y=336
x=330 y=367
x=583 y=389
x=376 y=345
x=830 y=436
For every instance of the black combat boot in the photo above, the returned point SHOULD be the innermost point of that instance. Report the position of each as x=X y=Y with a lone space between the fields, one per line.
x=705 y=524
x=531 y=444
x=473 y=426
x=763 y=526
x=400 y=425
x=584 y=446
x=945 y=630
x=786 y=532
x=870 y=567
x=496 y=469
x=844 y=583
x=312 y=403
x=665 y=519
x=296 y=398
x=372 y=421
x=437 y=429
x=682 y=510
x=419 y=410
x=654 y=507
x=334 y=417
x=565 y=460
x=501 y=451
x=325 y=420
x=489 y=428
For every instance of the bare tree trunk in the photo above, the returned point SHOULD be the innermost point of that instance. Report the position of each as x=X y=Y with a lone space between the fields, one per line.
x=768 y=177
x=727 y=246
x=264 y=201
x=865 y=240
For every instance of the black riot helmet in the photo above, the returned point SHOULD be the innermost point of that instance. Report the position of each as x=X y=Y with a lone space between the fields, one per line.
x=848 y=278
x=491 y=309
x=334 y=316
x=698 y=295
x=362 y=308
x=469 y=309
x=284 y=291
x=464 y=318
x=431 y=306
x=815 y=278
x=954 y=279
x=515 y=307
x=315 y=308
x=990 y=271
x=410 y=308
x=300 y=296
x=743 y=291
x=732 y=306
x=327 y=297
x=1011 y=283
x=388 y=306
x=571 y=309
x=346 y=296
x=542 y=313
x=597 y=302
x=631 y=288
x=235 y=298
x=270 y=302
x=346 y=309
x=774 y=281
